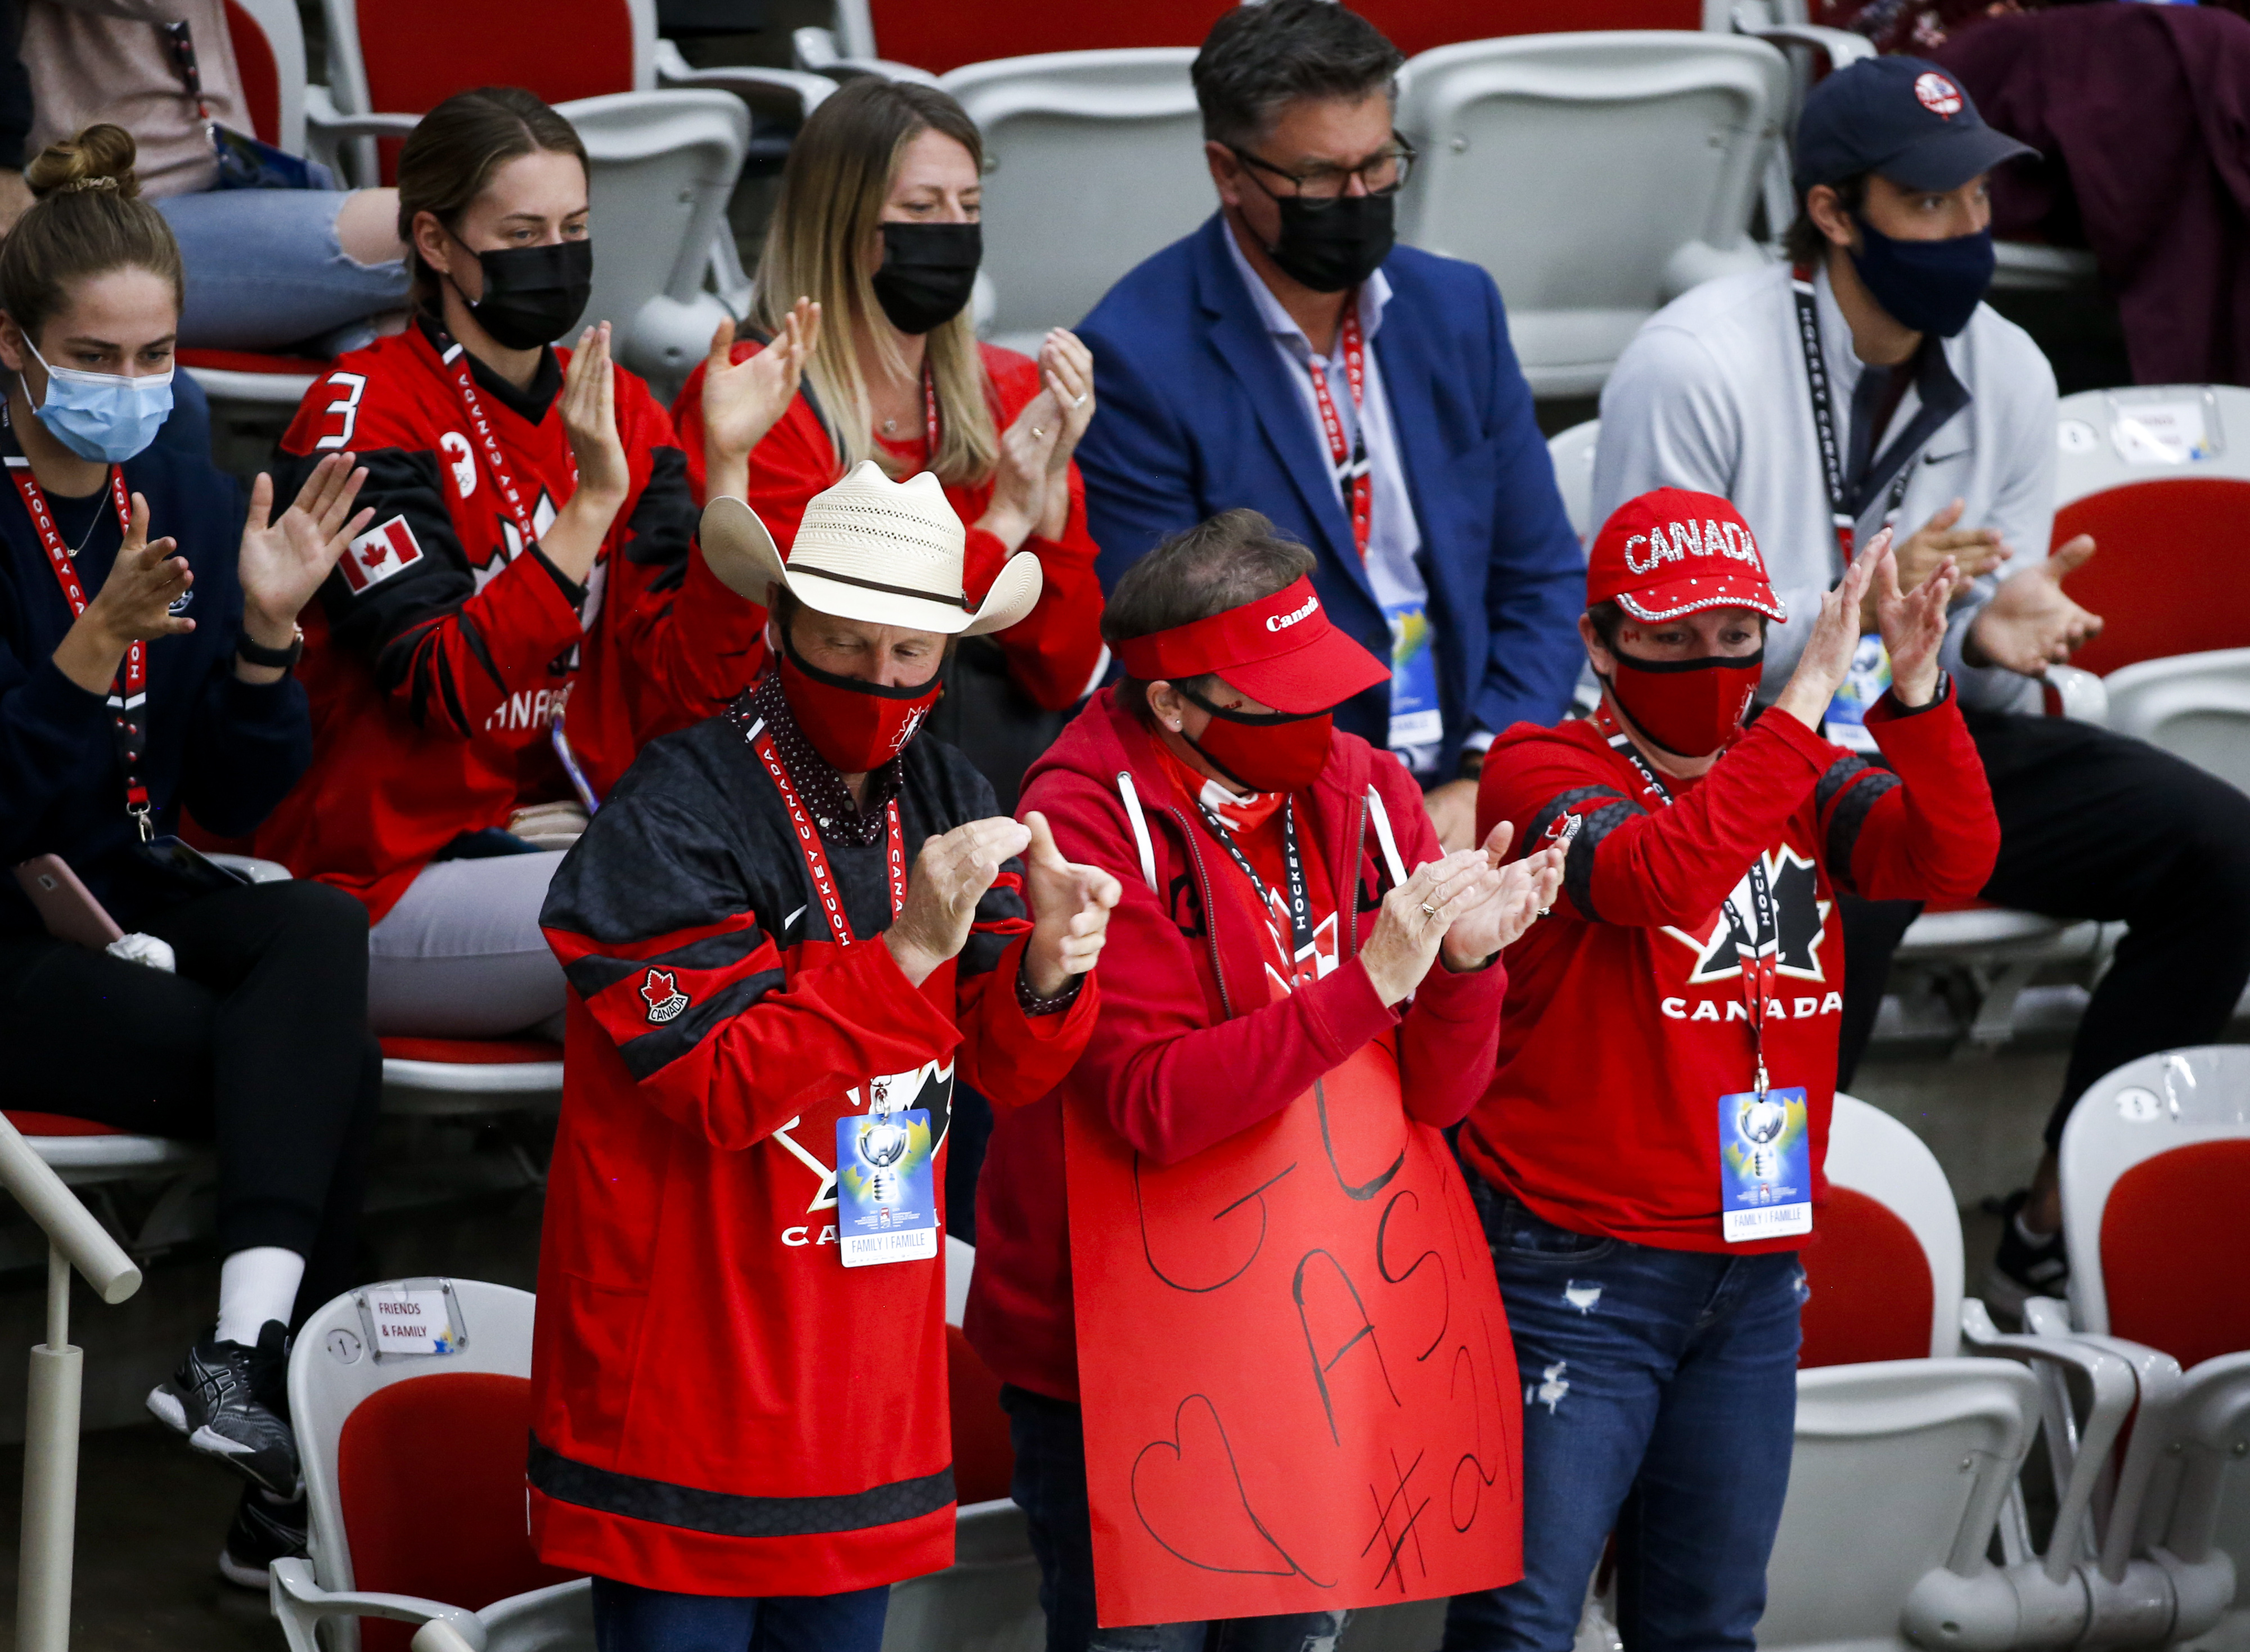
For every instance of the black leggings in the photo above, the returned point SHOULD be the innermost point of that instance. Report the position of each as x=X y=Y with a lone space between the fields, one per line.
x=2094 y=825
x=259 y=1044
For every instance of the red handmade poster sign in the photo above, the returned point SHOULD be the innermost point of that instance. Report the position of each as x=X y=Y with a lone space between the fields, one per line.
x=1299 y=1393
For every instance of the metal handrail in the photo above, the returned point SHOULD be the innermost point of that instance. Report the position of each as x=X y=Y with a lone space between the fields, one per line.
x=74 y=1240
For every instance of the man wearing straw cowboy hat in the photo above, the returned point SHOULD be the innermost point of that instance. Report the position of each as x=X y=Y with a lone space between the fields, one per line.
x=739 y=1384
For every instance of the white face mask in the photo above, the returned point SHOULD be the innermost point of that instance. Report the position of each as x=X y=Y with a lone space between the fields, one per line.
x=108 y=418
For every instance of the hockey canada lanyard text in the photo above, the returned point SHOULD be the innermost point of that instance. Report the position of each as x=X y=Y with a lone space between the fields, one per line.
x=503 y=479
x=816 y=858
x=1824 y=421
x=1352 y=473
x=1759 y=959
x=1301 y=900
x=128 y=690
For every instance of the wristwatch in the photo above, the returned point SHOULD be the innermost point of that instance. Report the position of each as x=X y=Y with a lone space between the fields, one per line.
x=251 y=653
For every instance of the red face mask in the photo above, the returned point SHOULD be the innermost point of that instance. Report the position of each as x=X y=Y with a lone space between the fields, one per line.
x=1275 y=752
x=856 y=725
x=1689 y=707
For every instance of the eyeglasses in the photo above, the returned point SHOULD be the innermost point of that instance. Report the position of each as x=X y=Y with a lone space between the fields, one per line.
x=1323 y=186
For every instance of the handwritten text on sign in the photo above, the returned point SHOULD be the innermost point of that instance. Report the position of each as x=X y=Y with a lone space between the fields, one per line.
x=1300 y=1391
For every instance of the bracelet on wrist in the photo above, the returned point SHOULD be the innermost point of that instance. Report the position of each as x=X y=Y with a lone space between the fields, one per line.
x=251 y=653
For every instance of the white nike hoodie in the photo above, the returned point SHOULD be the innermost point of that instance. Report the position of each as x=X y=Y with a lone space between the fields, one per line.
x=1711 y=395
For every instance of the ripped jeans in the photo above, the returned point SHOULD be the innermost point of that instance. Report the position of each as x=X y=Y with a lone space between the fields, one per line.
x=1050 y=1487
x=1659 y=1401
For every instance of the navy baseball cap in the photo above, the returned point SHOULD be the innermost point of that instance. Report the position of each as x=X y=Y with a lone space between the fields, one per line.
x=1903 y=117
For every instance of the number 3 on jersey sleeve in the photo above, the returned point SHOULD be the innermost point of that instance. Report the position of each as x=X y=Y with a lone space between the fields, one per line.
x=344 y=408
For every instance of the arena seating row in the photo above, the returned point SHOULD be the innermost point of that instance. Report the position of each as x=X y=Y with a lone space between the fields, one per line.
x=1909 y=1454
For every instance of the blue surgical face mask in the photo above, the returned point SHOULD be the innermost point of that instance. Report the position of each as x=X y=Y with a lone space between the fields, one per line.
x=1932 y=287
x=106 y=416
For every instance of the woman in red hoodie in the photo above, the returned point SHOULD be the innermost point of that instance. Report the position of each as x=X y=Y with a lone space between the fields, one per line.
x=1201 y=774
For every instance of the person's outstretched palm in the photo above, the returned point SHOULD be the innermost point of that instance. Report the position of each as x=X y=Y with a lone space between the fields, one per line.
x=283 y=560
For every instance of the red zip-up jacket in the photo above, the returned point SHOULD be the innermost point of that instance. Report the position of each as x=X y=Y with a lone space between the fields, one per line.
x=441 y=645
x=1051 y=652
x=1626 y=1021
x=1187 y=1049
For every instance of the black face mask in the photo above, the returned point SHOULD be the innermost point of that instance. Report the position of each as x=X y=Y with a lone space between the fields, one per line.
x=927 y=271
x=533 y=294
x=1339 y=248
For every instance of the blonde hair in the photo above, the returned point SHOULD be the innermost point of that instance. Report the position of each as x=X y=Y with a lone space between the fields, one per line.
x=88 y=218
x=841 y=171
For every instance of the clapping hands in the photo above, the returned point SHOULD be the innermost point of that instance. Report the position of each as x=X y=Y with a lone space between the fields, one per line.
x=744 y=400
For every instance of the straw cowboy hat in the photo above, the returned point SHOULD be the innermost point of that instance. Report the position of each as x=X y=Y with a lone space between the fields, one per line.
x=873 y=549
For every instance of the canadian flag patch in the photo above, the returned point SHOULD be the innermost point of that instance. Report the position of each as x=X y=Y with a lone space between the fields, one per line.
x=665 y=1000
x=380 y=552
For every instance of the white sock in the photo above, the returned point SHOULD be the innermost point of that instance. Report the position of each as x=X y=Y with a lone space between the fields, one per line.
x=254 y=1286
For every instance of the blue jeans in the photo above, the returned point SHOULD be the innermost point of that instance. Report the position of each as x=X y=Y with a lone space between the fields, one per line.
x=628 y=1618
x=266 y=273
x=1659 y=1401
x=1050 y=1487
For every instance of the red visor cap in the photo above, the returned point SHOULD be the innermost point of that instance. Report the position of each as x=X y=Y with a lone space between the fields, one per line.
x=1672 y=552
x=1280 y=650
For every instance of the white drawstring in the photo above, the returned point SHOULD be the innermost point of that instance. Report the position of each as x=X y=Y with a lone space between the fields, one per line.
x=1140 y=829
x=1383 y=836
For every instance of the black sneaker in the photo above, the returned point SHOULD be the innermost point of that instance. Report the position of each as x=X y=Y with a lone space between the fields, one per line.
x=263 y=1531
x=231 y=1403
x=2026 y=1266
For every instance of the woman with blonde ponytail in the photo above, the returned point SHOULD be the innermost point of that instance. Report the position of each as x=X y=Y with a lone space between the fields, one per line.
x=877 y=224
x=142 y=679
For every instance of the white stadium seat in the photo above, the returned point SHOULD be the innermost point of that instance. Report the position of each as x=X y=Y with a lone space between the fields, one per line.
x=1649 y=144
x=1093 y=161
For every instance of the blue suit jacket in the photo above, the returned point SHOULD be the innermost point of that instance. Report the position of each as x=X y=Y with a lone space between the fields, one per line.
x=1198 y=415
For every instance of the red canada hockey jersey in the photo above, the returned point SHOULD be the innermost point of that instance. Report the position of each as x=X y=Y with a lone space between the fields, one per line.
x=1626 y=1018
x=719 y=1405
x=443 y=645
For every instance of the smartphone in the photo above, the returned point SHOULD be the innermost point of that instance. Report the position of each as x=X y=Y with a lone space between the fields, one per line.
x=65 y=906
x=188 y=868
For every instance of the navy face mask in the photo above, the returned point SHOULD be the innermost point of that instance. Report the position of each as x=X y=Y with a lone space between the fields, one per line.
x=1932 y=287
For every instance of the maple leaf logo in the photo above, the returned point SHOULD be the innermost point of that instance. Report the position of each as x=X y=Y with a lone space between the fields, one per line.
x=665 y=999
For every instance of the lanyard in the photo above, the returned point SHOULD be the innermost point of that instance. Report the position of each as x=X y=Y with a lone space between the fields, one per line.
x=129 y=691
x=1352 y=473
x=1301 y=900
x=1824 y=421
x=1759 y=960
x=808 y=842
x=503 y=479
x=928 y=416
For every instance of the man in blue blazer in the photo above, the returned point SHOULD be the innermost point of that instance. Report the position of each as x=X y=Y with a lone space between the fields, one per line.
x=1288 y=357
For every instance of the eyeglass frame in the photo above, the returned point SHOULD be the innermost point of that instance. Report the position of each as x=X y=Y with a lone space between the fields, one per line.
x=1404 y=154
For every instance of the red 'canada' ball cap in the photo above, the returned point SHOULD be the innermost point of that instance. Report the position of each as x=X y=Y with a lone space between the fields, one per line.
x=1672 y=552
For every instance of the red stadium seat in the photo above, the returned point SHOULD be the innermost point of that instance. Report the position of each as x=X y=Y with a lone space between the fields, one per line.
x=414 y=1478
x=940 y=38
x=382 y=59
x=1869 y=1295
x=2154 y=1162
x=2152 y=577
x=467 y=1547
x=259 y=74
